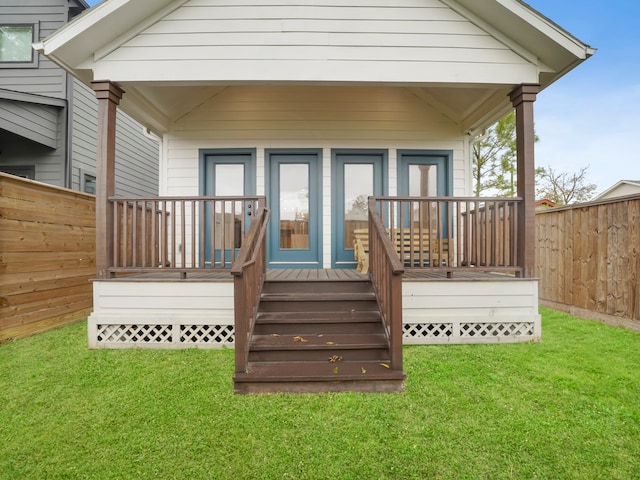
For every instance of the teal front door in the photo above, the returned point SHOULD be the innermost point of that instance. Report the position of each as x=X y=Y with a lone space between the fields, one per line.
x=357 y=174
x=294 y=189
x=226 y=173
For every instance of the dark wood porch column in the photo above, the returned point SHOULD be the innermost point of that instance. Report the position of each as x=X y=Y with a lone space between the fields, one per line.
x=109 y=95
x=522 y=99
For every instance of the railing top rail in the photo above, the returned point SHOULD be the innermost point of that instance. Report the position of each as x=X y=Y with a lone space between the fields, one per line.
x=257 y=231
x=189 y=198
x=448 y=199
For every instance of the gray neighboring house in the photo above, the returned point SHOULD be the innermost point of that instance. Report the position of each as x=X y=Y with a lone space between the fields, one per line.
x=48 y=125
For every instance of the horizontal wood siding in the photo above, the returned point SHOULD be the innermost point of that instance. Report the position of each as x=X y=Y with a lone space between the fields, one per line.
x=416 y=40
x=38 y=123
x=47 y=256
x=136 y=153
x=48 y=79
x=310 y=117
x=588 y=261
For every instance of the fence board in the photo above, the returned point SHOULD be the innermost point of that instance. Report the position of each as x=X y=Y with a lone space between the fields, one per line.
x=587 y=257
x=47 y=256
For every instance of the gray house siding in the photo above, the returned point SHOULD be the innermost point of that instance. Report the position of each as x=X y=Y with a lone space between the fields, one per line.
x=49 y=15
x=136 y=153
x=37 y=105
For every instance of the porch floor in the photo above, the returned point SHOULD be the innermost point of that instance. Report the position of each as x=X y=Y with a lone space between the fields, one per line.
x=302 y=274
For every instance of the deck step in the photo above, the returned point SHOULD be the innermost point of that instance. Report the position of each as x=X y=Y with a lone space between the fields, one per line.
x=322 y=347
x=319 y=336
x=319 y=377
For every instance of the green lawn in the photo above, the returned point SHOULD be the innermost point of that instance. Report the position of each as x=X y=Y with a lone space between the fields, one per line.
x=568 y=407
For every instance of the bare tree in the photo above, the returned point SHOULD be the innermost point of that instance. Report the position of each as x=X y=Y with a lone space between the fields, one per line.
x=565 y=188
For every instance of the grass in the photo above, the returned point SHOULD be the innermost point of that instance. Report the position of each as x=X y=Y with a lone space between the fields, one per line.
x=565 y=408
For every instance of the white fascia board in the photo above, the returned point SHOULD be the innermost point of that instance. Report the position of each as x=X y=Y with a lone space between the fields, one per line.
x=97 y=27
x=548 y=28
x=79 y=25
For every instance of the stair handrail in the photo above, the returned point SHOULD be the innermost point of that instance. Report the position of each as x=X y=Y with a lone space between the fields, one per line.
x=249 y=272
x=385 y=272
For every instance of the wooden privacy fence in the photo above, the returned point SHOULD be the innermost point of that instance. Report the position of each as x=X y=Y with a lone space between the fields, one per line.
x=588 y=259
x=47 y=256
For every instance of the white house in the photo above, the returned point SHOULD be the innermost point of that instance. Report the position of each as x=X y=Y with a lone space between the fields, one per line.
x=620 y=189
x=310 y=107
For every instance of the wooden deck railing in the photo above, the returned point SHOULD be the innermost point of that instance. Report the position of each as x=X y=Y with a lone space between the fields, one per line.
x=385 y=271
x=180 y=234
x=249 y=272
x=453 y=233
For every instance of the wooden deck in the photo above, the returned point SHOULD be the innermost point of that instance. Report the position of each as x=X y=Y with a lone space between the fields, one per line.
x=306 y=274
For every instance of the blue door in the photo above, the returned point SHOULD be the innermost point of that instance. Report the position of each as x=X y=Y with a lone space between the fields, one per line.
x=425 y=173
x=226 y=173
x=357 y=174
x=294 y=188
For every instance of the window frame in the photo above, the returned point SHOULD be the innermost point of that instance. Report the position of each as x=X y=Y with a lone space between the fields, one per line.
x=87 y=177
x=35 y=56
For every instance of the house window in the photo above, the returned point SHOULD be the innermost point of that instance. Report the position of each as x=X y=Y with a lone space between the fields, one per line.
x=24 y=171
x=89 y=184
x=15 y=46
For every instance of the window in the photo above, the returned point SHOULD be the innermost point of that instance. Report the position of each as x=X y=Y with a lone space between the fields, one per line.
x=89 y=184
x=15 y=46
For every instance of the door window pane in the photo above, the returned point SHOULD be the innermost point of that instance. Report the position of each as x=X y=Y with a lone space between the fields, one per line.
x=294 y=206
x=423 y=182
x=229 y=182
x=358 y=186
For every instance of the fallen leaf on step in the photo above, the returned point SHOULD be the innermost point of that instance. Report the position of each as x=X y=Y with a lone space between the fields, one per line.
x=275 y=334
x=363 y=370
x=298 y=338
x=335 y=358
x=335 y=370
x=330 y=343
x=385 y=365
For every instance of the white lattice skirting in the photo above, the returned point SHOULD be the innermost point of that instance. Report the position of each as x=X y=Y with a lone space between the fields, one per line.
x=470 y=332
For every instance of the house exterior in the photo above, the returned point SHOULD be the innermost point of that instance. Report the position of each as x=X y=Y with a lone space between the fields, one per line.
x=620 y=189
x=310 y=108
x=48 y=119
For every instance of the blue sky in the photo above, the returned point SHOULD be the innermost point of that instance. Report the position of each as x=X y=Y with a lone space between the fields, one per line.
x=589 y=117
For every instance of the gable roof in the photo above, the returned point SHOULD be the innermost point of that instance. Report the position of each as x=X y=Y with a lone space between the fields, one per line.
x=434 y=47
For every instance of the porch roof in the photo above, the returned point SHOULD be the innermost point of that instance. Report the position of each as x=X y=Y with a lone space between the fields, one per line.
x=462 y=57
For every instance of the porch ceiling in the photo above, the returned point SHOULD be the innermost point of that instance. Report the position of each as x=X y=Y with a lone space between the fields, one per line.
x=160 y=105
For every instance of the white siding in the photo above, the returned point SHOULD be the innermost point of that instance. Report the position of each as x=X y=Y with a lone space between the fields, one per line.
x=400 y=41
x=310 y=117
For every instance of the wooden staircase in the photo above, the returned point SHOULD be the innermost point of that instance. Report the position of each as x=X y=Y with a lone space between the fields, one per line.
x=319 y=336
